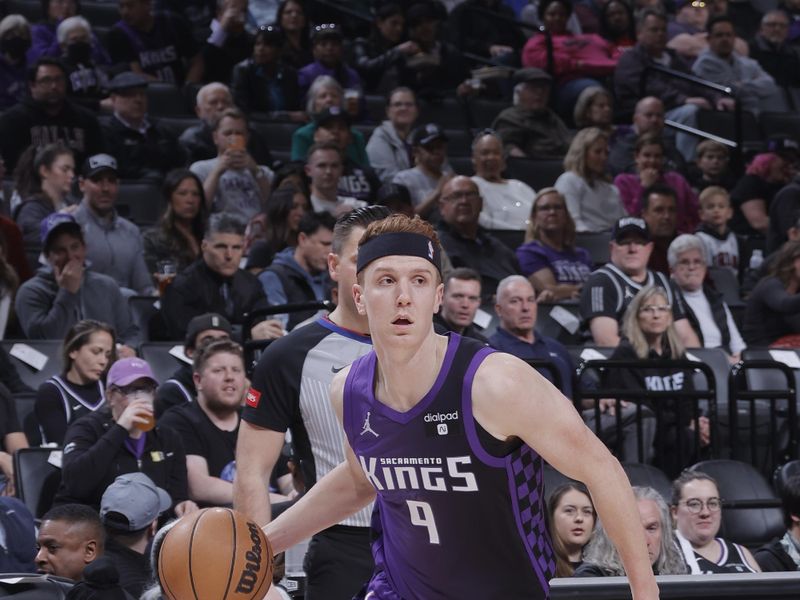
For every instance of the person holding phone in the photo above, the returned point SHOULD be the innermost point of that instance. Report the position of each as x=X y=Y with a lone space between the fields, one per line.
x=233 y=181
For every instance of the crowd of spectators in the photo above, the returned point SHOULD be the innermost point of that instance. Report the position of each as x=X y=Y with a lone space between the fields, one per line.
x=250 y=219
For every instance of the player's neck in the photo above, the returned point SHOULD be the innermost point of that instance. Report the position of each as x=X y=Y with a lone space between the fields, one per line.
x=405 y=375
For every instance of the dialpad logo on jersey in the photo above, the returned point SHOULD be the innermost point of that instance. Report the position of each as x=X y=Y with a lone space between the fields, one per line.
x=438 y=423
x=253 y=398
x=434 y=474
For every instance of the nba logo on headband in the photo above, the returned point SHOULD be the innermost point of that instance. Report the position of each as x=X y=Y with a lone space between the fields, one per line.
x=430 y=250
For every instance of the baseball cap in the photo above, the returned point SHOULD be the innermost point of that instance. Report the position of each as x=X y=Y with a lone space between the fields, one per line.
x=332 y=113
x=132 y=502
x=530 y=74
x=127 y=370
x=203 y=323
x=783 y=146
x=126 y=81
x=54 y=221
x=630 y=225
x=98 y=163
x=425 y=134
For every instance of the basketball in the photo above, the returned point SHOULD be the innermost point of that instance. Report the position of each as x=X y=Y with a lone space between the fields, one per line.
x=215 y=553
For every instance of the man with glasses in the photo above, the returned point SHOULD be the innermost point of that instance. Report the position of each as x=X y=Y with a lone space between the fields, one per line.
x=47 y=117
x=609 y=290
x=466 y=242
x=769 y=48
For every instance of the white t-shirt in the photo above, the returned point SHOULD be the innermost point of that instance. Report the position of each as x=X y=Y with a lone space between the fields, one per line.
x=237 y=190
x=593 y=208
x=505 y=205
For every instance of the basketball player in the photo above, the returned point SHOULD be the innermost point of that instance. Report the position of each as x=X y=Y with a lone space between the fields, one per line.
x=450 y=436
x=290 y=392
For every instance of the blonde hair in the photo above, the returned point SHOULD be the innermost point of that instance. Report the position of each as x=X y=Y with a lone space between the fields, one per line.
x=711 y=192
x=584 y=104
x=633 y=331
x=575 y=160
x=532 y=232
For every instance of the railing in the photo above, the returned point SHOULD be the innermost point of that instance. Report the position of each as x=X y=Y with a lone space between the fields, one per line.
x=736 y=143
x=639 y=397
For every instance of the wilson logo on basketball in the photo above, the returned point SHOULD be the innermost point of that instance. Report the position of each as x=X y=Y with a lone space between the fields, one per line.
x=253 y=398
x=249 y=576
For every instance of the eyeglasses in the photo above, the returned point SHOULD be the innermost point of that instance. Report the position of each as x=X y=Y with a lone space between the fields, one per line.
x=461 y=196
x=656 y=309
x=131 y=392
x=402 y=104
x=695 y=505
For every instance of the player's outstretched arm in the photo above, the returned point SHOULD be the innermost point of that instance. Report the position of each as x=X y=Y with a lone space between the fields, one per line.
x=336 y=496
x=257 y=451
x=512 y=399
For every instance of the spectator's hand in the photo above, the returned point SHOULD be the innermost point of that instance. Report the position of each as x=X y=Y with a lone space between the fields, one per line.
x=648 y=177
x=70 y=276
x=409 y=48
x=7 y=468
x=125 y=351
x=184 y=508
x=546 y=296
x=499 y=50
x=232 y=20
x=609 y=405
x=698 y=101
x=466 y=89
x=704 y=426
x=138 y=412
x=516 y=152
x=728 y=104
x=267 y=330
x=734 y=358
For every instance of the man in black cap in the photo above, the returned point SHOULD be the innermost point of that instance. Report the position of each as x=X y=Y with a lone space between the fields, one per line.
x=530 y=129
x=179 y=389
x=424 y=180
x=143 y=148
x=357 y=181
x=129 y=510
x=47 y=117
x=326 y=46
x=608 y=291
x=114 y=245
x=64 y=292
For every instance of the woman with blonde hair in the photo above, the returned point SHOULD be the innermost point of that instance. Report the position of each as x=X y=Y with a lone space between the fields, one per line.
x=549 y=258
x=595 y=108
x=650 y=335
x=593 y=202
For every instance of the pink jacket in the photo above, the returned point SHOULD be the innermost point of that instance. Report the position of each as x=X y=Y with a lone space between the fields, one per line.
x=585 y=55
x=630 y=188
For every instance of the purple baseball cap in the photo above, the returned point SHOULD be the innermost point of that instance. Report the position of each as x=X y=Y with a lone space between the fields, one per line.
x=55 y=221
x=127 y=370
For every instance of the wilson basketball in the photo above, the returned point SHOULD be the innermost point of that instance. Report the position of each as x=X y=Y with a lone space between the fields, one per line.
x=215 y=553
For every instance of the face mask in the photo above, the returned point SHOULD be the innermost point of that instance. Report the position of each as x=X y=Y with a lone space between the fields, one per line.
x=79 y=52
x=15 y=47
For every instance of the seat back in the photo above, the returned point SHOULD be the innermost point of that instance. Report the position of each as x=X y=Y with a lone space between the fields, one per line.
x=31 y=375
x=167 y=100
x=277 y=136
x=727 y=284
x=644 y=475
x=718 y=361
x=36 y=478
x=536 y=173
x=24 y=404
x=140 y=202
x=146 y=314
x=26 y=586
x=751 y=513
x=559 y=321
x=157 y=355
x=597 y=245
x=552 y=479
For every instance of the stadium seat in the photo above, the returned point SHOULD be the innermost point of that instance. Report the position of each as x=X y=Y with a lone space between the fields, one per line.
x=727 y=284
x=175 y=126
x=24 y=403
x=484 y=112
x=552 y=479
x=449 y=114
x=278 y=136
x=751 y=513
x=462 y=165
x=140 y=202
x=157 y=355
x=597 y=245
x=28 y=586
x=145 y=311
x=167 y=100
x=513 y=238
x=376 y=107
x=718 y=361
x=559 y=321
x=536 y=173
x=649 y=476
x=776 y=124
x=784 y=473
x=459 y=142
x=37 y=478
x=100 y=14
x=33 y=376
x=30 y=9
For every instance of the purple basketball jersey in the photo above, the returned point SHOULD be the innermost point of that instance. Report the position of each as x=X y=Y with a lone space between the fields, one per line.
x=454 y=518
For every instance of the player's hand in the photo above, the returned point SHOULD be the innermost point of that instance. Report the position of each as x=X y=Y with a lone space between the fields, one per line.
x=184 y=508
x=138 y=412
x=70 y=276
x=267 y=330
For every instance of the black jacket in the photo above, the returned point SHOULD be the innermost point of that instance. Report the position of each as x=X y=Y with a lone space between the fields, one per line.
x=27 y=123
x=198 y=290
x=149 y=154
x=220 y=60
x=772 y=557
x=250 y=87
x=95 y=455
x=297 y=290
x=717 y=311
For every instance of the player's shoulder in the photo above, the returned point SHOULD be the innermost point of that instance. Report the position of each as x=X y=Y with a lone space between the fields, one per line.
x=293 y=347
x=499 y=369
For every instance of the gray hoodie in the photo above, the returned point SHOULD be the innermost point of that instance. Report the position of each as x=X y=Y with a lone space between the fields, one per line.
x=387 y=152
x=46 y=311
